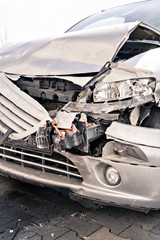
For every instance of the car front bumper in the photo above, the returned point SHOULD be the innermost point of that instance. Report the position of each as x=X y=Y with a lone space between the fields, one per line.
x=139 y=186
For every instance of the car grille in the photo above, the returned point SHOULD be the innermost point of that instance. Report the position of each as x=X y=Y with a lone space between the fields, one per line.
x=57 y=163
x=18 y=111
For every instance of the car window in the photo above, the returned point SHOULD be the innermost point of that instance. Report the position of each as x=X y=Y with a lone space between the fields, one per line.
x=147 y=11
x=105 y=22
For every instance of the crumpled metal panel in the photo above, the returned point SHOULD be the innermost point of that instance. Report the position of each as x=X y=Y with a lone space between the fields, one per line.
x=126 y=133
x=18 y=111
x=77 y=52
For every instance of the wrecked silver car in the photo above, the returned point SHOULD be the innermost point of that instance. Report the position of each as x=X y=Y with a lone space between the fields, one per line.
x=81 y=111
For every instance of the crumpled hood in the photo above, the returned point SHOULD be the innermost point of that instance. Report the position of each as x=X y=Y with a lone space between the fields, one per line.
x=72 y=53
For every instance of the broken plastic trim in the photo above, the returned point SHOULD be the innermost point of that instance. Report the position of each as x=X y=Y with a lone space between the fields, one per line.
x=5 y=136
x=79 y=136
x=106 y=107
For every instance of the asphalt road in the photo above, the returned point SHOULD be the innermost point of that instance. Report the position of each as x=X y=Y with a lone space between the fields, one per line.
x=36 y=213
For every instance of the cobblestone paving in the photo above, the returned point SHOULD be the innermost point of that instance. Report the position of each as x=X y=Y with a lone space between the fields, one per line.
x=33 y=213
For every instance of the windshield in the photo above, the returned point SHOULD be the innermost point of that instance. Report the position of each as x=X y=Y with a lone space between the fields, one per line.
x=147 y=11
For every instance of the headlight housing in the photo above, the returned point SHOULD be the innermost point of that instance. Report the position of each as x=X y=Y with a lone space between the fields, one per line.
x=119 y=90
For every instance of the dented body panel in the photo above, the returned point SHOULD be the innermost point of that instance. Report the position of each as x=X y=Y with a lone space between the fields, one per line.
x=127 y=135
x=57 y=56
x=139 y=191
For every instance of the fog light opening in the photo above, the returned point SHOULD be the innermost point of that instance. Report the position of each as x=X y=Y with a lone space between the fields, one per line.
x=112 y=176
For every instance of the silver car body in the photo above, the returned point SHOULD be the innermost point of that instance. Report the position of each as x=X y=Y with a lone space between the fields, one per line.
x=134 y=156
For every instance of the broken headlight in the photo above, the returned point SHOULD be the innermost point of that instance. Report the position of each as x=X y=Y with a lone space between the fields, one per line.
x=112 y=91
